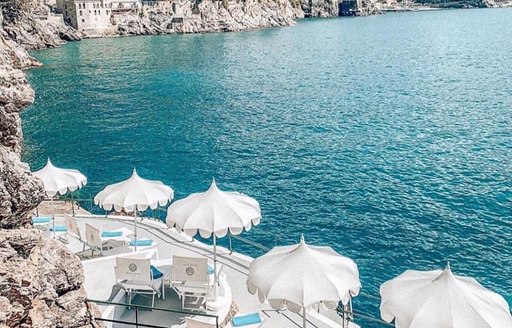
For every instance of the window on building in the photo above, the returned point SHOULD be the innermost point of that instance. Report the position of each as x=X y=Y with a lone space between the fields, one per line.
x=83 y=20
x=80 y=13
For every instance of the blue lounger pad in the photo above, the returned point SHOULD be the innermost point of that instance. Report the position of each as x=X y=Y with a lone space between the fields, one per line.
x=210 y=269
x=59 y=228
x=145 y=242
x=106 y=234
x=41 y=219
x=155 y=273
x=246 y=320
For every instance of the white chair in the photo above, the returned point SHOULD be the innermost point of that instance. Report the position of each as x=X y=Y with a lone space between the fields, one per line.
x=97 y=240
x=189 y=278
x=74 y=231
x=134 y=276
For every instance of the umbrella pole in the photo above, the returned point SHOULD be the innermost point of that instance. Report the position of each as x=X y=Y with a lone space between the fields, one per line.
x=303 y=317
x=216 y=280
x=135 y=228
x=53 y=217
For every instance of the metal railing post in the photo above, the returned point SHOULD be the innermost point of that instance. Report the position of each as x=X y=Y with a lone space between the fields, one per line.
x=230 y=245
x=136 y=316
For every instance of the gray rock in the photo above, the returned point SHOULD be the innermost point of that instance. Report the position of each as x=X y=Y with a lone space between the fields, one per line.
x=40 y=283
x=211 y=16
x=40 y=280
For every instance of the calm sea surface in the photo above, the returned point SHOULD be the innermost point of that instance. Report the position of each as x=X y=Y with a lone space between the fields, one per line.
x=388 y=138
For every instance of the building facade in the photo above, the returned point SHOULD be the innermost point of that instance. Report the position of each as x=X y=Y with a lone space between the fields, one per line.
x=88 y=16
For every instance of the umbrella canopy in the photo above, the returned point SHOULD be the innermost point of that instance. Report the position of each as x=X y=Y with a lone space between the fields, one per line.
x=134 y=194
x=214 y=212
x=59 y=181
x=301 y=275
x=425 y=299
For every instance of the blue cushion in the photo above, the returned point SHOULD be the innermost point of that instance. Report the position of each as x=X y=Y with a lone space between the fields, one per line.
x=106 y=234
x=41 y=219
x=246 y=320
x=144 y=242
x=155 y=273
x=210 y=269
x=58 y=228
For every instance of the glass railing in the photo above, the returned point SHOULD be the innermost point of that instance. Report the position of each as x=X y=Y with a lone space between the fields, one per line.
x=138 y=322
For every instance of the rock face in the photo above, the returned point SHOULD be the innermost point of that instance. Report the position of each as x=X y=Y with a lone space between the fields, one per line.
x=40 y=284
x=210 y=16
x=19 y=24
x=320 y=8
x=40 y=280
x=19 y=191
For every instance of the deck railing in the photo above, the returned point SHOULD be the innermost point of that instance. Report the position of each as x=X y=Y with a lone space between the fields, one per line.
x=138 y=308
x=256 y=248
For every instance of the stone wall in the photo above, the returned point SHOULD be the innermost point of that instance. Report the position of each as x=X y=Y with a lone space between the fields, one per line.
x=40 y=280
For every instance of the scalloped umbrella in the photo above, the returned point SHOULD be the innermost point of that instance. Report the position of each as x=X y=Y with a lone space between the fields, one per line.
x=438 y=298
x=301 y=275
x=58 y=181
x=132 y=195
x=214 y=212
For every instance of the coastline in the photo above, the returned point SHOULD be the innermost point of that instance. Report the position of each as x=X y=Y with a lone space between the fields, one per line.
x=29 y=63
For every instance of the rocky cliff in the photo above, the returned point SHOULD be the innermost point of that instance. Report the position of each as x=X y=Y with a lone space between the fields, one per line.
x=208 y=16
x=40 y=280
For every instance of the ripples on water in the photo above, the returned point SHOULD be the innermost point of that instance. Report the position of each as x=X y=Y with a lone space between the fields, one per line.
x=387 y=137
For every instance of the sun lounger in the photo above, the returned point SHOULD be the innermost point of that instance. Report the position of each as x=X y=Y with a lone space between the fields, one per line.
x=251 y=320
x=189 y=278
x=142 y=244
x=41 y=222
x=101 y=241
x=200 y=322
x=138 y=276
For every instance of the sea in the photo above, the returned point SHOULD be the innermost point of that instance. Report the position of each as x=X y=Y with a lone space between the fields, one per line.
x=387 y=138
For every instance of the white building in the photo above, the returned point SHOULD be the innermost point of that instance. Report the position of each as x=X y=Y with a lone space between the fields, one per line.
x=89 y=16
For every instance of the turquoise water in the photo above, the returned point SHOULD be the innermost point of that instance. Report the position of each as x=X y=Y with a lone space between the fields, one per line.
x=388 y=137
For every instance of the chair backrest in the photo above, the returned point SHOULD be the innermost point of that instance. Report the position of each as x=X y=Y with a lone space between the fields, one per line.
x=190 y=269
x=72 y=226
x=92 y=236
x=133 y=269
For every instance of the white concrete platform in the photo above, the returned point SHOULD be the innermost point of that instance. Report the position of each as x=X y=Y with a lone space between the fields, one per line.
x=100 y=276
